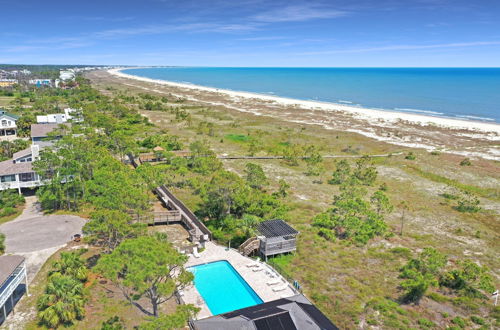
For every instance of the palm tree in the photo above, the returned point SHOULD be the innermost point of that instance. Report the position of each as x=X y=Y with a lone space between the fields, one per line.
x=70 y=264
x=62 y=303
x=248 y=224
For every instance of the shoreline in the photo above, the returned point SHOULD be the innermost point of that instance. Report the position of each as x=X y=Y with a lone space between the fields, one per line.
x=368 y=114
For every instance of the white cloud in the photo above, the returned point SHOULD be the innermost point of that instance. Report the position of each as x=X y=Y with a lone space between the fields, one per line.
x=297 y=13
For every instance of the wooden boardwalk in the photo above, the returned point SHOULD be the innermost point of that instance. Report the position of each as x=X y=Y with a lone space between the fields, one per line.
x=176 y=212
x=198 y=232
x=159 y=218
x=147 y=158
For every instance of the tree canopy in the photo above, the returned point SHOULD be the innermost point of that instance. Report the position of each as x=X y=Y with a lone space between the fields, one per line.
x=146 y=266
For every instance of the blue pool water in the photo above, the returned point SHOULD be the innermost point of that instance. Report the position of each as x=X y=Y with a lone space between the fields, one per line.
x=461 y=93
x=222 y=288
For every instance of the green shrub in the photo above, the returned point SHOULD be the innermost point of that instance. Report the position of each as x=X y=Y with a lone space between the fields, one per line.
x=449 y=196
x=113 y=323
x=10 y=198
x=421 y=273
x=425 y=323
x=437 y=297
x=465 y=162
x=401 y=252
x=2 y=244
x=468 y=202
x=7 y=211
x=410 y=156
x=477 y=320
x=327 y=234
x=458 y=321
x=435 y=153
x=469 y=279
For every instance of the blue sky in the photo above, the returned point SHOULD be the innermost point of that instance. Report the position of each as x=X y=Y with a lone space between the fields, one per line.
x=252 y=32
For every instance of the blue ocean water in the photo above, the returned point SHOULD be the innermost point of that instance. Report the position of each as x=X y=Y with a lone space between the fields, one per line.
x=222 y=288
x=461 y=93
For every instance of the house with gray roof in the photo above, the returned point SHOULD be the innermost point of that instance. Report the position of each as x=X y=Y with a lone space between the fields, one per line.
x=18 y=173
x=291 y=313
x=8 y=127
x=13 y=283
x=46 y=134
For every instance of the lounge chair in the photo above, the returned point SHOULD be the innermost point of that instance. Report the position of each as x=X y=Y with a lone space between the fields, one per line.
x=252 y=264
x=280 y=288
x=273 y=282
x=258 y=269
x=195 y=253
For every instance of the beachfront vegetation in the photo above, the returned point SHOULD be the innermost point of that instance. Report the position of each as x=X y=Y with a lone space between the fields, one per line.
x=63 y=300
x=147 y=266
x=108 y=228
x=349 y=261
x=9 y=202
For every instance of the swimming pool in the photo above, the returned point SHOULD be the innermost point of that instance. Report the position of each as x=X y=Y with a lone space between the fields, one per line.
x=222 y=288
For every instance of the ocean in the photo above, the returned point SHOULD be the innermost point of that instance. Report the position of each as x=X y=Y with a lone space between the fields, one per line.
x=459 y=93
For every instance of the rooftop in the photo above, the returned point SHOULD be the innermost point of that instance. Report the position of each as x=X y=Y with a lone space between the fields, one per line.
x=3 y=112
x=276 y=228
x=22 y=153
x=7 y=266
x=42 y=130
x=8 y=167
x=295 y=312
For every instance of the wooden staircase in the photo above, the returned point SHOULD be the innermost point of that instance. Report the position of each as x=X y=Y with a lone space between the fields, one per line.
x=249 y=246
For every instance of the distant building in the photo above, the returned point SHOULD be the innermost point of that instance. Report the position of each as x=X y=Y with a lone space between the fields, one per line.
x=41 y=82
x=7 y=82
x=65 y=75
x=291 y=313
x=73 y=115
x=12 y=275
x=8 y=127
x=18 y=173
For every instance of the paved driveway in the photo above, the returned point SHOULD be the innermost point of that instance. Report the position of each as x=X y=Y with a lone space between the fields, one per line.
x=36 y=236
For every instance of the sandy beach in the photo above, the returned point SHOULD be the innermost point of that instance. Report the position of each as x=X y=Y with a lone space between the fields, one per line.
x=468 y=138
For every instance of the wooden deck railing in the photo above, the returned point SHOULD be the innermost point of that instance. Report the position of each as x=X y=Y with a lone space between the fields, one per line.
x=249 y=246
x=195 y=226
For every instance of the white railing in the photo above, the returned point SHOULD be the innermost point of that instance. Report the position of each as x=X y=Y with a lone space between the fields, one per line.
x=19 y=274
x=22 y=184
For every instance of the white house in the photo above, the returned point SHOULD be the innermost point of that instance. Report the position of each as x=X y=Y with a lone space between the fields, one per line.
x=8 y=127
x=69 y=114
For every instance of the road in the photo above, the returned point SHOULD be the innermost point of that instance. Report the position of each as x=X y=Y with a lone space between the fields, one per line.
x=36 y=236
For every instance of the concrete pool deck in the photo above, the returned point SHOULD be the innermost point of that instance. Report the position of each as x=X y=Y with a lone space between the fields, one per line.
x=256 y=280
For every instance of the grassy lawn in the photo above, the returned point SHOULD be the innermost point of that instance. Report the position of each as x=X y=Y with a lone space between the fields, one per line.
x=355 y=286
x=19 y=210
x=5 y=100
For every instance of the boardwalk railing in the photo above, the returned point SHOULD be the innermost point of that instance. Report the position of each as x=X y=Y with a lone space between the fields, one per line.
x=195 y=226
x=158 y=217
